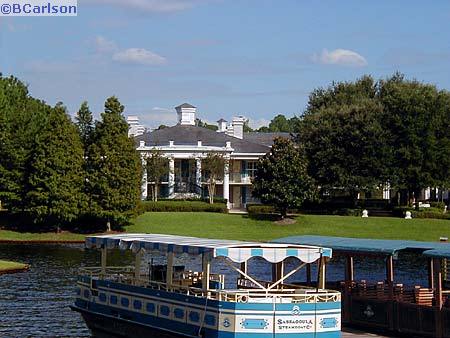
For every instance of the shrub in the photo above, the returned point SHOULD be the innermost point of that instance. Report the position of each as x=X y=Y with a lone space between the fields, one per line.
x=181 y=206
x=430 y=214
x=262 y=212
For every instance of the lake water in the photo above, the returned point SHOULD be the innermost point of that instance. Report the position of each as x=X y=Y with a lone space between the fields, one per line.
x=36 y=303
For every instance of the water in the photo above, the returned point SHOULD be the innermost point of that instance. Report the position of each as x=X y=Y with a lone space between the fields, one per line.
x=36 y=303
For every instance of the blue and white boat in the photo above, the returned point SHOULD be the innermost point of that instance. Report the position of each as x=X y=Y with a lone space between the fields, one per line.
x=166 y=300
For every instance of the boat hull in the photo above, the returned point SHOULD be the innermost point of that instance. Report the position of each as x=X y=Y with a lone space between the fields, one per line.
x=121 y=310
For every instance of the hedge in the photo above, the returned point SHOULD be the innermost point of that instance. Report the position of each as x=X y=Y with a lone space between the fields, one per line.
x=432 y=212
x=178 y=206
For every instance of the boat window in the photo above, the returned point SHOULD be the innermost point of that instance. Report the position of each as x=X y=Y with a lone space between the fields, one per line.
x=150 y=307
x=210 y=320
x=113 y=299
x=102 y=297
x=194 y=316
x=124 y=301
x=137 y=304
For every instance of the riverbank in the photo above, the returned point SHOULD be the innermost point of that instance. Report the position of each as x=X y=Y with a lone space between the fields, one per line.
x=12 y=267
x=241 y=227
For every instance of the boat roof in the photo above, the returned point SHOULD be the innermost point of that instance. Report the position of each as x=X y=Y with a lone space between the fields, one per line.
x=383 y=247
x=237 y=251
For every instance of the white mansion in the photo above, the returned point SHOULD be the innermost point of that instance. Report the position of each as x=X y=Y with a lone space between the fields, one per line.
x=185 y=144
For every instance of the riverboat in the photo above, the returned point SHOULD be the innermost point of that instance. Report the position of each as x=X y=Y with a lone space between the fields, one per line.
x=166 y=300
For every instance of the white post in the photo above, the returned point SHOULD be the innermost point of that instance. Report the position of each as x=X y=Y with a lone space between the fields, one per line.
x=387 y=191
x=226 y=183
x=144 y=189
x=206 y=265
x=171 y=176
x=198 y=173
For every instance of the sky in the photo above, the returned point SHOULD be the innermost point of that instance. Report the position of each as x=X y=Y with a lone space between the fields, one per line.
x=256 y=58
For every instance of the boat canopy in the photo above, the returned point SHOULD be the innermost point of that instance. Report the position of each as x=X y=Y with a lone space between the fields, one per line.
x=382 y=247
x=237 y=251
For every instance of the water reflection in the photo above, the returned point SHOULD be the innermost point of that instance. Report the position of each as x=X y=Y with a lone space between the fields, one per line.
x=36 y=303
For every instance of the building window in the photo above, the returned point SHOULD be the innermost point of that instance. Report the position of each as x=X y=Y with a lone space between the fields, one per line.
x=251 y=168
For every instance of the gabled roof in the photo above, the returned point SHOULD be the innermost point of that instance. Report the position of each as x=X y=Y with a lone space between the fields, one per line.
x=237 y=251
x=185 y=105
x=221 y=120
x=190 y=135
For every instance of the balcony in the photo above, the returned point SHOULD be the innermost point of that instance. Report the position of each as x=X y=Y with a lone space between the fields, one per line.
x=242 y=178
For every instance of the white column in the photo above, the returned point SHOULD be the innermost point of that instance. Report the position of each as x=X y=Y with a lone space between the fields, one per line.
x=171 y=176
x=198 y=173
x=387 y=191
x=226 y=184
x=144 y=188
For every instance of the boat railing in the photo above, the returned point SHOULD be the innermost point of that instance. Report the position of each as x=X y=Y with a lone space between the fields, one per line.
x=287 y=294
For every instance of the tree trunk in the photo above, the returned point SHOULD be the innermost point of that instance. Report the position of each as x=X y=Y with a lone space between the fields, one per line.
x=108 y=226
x=156 y=192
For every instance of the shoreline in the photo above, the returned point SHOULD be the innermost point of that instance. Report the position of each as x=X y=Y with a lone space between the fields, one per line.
x=8 y=267
x=37 y=241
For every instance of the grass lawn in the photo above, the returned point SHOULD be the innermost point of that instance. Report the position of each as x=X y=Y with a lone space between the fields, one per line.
x=241 y=227
x=7 y=266
x=214 y=225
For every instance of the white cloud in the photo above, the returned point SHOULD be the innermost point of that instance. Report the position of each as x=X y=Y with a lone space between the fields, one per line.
x=158 y=116
x=161 y=6
x=103 y=45
x=139 y=56
x=342 y=57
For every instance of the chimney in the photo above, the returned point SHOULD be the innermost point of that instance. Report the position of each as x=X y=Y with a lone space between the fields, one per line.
x=238 y=126
x=186 y=114
x=222 y=124
x=141 y=144
x=199 y=143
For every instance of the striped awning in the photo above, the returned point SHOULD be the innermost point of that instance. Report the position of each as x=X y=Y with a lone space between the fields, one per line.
x=237 y=251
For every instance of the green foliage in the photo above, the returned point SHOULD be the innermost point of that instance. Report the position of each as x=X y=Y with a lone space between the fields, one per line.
x=181 y=206
x=280 y=124
x=200 y=123
x=21 y=119
x=157 y=167
x=115 y=180
x=55 y=172
x=360 y=135
x=345 y=146
x=213 y=165
x=85 y=125
x=410 y=118
x=281 y=178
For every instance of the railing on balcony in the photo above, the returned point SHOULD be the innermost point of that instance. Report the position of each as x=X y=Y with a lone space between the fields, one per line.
x=240 y=178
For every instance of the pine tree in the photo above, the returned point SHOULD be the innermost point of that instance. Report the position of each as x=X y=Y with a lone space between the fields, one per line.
x=54 y=171
x=85 y=124
x=116 y=176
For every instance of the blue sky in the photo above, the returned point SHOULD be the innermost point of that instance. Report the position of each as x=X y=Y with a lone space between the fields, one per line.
x=227 y=57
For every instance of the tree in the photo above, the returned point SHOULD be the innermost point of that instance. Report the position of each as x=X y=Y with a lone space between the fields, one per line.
x=85 y=124
x=281 y=177
x=346 y=146
x=157 y=167
x=280 y=124
x=412 y=118
x=200 y=123
x=213 y=165
x=116 y=176
x=55 y=179
x=21 y=119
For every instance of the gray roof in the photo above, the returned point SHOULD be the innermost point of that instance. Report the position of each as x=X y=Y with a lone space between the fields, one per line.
x=264 y=138
x=185 y=105
x=221 y=120
x=190 y=135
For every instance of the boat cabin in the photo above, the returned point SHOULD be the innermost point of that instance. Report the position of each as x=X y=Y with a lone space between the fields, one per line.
x=168 y=298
